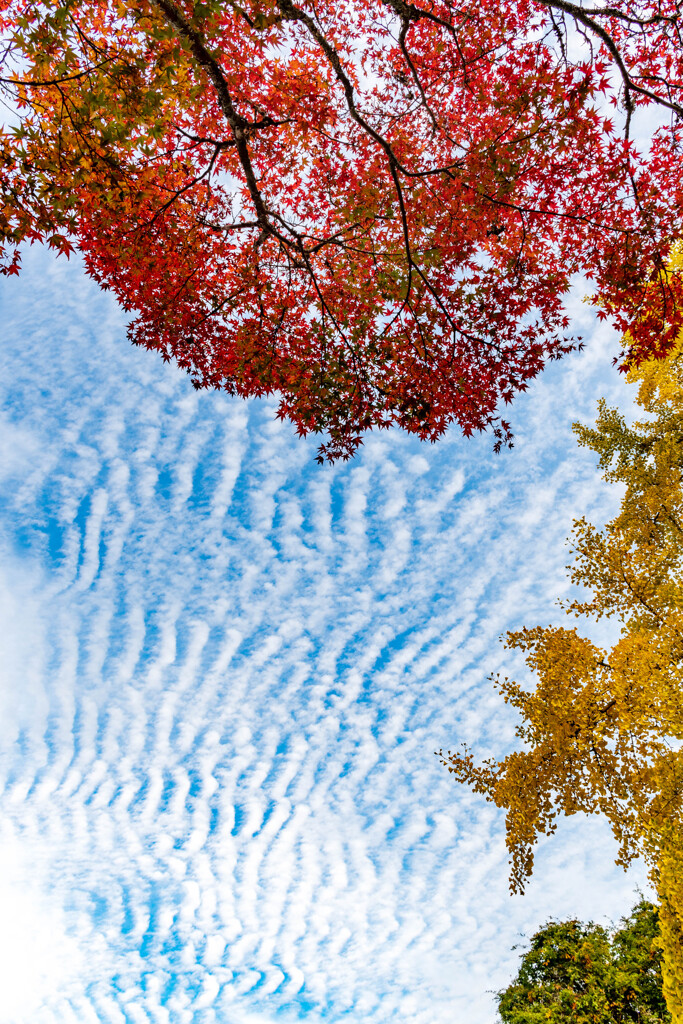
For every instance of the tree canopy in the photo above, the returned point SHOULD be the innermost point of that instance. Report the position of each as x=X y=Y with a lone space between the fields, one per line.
x=575 y=973
x=602 y=729
x=372 y=208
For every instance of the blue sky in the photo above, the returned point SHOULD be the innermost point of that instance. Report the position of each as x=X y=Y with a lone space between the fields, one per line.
x=224 y=674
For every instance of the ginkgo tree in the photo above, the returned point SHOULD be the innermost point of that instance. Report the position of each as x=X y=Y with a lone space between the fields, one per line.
x=373 y=208
x=603 y=730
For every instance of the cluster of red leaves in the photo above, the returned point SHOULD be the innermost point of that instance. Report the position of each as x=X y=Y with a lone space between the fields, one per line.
x=373 y=208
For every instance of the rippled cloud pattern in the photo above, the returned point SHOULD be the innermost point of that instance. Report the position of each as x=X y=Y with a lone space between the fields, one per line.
x=225 y=671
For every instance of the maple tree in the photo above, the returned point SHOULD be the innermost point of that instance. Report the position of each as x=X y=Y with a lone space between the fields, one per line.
x=603 y=729
x=373 y=208
x=575 y=973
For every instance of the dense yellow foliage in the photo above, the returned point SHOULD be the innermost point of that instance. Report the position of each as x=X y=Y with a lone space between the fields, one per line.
x=602 y=730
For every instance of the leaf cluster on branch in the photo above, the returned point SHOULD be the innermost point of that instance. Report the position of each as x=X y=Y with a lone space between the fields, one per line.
x=373 y=208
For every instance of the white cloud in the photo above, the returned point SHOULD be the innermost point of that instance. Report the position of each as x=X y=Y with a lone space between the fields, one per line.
x=229 y=669
x=41 y=960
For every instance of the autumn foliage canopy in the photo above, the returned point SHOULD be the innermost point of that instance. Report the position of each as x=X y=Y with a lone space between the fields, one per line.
x=371 y=207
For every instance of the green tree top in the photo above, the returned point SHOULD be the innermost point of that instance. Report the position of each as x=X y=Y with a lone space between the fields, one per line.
x=583 y=974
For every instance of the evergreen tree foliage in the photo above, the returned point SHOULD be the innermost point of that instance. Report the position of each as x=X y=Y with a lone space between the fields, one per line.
x=576 y=973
